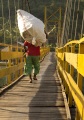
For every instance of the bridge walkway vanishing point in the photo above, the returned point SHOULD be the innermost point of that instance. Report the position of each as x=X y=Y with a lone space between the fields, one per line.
x=40 y=100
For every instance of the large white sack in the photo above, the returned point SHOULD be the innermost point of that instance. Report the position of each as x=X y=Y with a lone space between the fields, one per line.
x=31 y=28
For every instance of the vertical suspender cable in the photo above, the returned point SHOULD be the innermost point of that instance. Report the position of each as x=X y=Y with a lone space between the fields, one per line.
x=63 y=31
x=70 y=8
x=82 y=25
x=15 y=21
x=10 y=21
x=66 y=23
x=15 y=10
x=18 y=4
x=22 y=4
x=77 y=19
x=25 y=4
x=28 y=6
x=3 y=19
x=68 y=20
x=59 y=26
x=19 y=37
x=73 y=19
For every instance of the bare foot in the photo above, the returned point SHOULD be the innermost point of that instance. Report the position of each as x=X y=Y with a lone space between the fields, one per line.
x=30 y=81
x=34 y=78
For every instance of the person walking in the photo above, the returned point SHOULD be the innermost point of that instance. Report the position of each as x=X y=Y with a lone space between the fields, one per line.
x=32 y=60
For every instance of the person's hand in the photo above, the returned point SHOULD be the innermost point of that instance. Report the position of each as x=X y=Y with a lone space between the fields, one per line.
x=34 y=41
x=25 y=48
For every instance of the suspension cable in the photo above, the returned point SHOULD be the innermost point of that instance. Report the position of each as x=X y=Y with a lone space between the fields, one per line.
x=15 y=21
x=19 y=37
x=68 y=19
x=77 y=19
x=10 y=21
x=28 y=6
x=63 y=30
x=70 y=8
x=18 y=4
x=15 y=10
x=66 y=23
x=73 y=18
x=82 y=25
x=3 y=19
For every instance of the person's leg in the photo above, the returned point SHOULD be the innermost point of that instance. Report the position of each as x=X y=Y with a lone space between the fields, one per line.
x=36 y=64
x=29 y=67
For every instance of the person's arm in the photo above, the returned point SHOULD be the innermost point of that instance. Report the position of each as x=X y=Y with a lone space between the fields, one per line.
x=25 y=46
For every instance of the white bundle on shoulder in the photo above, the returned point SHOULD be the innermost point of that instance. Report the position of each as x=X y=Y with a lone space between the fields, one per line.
x=31 y=28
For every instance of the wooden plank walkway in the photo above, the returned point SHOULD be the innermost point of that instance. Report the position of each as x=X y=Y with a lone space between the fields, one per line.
x=40 y=100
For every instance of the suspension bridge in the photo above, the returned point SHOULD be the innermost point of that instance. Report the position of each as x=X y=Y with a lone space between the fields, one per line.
x=58 y=94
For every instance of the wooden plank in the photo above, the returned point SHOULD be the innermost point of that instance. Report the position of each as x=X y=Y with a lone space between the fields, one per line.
x=35 y=109
x=33 y=103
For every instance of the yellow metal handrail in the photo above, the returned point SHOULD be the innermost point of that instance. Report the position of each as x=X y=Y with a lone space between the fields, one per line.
x=70 y=63
x=12 y=62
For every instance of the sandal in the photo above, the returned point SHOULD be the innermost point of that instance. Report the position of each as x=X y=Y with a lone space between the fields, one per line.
x=34 y=77
x=30 y=78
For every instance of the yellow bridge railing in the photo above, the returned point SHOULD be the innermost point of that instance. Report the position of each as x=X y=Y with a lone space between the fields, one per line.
x=12 y=62
x=70 y=63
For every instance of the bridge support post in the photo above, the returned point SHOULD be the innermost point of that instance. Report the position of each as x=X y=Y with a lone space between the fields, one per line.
x=66 y=69
x=63 y=66
x=70 y=98
x=79 y=76
x=77 y=115
x=21 y=71
x=16 y=62
x=9 y=64
x=79 y=81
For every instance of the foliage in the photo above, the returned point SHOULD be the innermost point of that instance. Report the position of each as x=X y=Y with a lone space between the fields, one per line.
x=9 y=29
x=37 y=9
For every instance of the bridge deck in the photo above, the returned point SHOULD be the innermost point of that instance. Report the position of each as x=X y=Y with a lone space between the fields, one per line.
x=40 y=100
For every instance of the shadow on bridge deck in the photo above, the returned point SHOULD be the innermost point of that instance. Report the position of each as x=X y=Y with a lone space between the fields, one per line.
x=48 y=101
